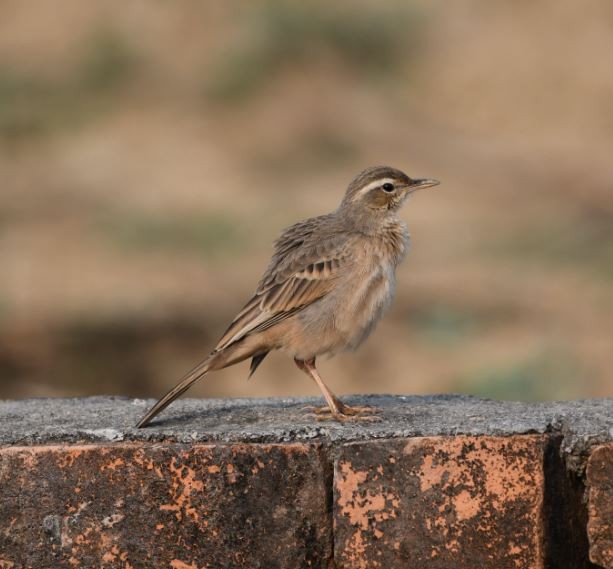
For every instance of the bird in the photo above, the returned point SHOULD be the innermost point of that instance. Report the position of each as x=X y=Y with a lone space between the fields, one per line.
x=327 y=285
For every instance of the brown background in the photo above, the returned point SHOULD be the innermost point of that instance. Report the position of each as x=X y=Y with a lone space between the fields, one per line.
x=151 y=151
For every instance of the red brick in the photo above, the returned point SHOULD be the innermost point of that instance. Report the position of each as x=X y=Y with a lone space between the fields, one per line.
x=440 y=502
x=166 y=505
x=600 y=505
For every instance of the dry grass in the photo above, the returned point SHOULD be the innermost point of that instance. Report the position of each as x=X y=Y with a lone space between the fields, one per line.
x=150 y=154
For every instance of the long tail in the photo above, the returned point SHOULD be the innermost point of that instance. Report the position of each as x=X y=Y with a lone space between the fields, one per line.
x=191 y=377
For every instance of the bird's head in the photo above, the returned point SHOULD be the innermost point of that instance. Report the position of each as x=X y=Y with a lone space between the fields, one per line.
x=381 y=189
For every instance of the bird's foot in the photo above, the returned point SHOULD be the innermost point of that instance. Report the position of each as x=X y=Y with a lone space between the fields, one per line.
x=346 y=414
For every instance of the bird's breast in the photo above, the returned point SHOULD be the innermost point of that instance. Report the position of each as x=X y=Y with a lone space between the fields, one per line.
x=371 y=288
x=393 y=242
x=347 y=316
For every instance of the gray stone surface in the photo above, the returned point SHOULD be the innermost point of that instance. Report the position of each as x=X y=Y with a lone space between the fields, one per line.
x=97 y=419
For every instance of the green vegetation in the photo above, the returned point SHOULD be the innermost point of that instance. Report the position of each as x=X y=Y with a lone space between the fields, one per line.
x=546 y=376
x=107 y=64
x=585 y=242
x=280 y=36
x=211 y=235
x=444 y=325
x=4 y=308
x=26 y=104
x=447 y=325
x=320 y=148
x=33 y=104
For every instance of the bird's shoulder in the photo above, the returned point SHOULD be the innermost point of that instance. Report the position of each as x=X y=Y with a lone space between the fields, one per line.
x=318 y=245
x=308 y=231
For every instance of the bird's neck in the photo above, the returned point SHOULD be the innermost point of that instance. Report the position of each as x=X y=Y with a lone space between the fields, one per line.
x=369 y=222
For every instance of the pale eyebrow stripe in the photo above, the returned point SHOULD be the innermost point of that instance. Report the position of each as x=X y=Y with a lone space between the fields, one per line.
x=372 y=185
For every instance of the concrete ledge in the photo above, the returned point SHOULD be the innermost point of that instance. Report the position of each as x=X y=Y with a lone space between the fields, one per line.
x=439 y=482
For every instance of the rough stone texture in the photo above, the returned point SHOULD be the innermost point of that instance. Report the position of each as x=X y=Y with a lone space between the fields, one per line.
x=439 y=502
x=184 y=507
x=95 y=419
x=438 y=481
x=600 y=505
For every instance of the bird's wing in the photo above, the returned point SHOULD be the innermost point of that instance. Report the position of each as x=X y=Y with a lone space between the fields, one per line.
x=304 y=268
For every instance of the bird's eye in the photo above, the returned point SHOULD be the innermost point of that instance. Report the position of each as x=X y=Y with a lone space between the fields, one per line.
x=388 y=187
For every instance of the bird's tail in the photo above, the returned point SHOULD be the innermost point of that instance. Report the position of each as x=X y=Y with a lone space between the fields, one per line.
x=190 y=377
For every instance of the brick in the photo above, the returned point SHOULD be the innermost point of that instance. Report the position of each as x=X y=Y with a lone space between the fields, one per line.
x=166 y=505
x=440 y=502
x=600 y=505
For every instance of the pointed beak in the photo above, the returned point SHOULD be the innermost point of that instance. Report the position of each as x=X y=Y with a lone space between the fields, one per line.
x=421 y=184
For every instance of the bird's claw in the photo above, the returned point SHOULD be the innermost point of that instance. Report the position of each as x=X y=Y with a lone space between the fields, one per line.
x=346 y=414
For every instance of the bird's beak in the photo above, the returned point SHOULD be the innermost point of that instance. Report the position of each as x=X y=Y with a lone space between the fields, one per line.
x=421 y=184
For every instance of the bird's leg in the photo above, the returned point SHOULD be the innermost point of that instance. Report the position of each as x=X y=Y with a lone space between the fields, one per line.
x=336 y=407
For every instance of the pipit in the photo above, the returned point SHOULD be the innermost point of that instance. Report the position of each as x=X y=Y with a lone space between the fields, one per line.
x=329 y=281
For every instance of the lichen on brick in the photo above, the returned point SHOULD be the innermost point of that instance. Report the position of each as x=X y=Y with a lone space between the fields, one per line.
x=438 y=501
x=600 y=505
x=132 y=505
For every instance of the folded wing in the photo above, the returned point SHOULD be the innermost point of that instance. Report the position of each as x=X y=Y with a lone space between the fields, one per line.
x=301 y=272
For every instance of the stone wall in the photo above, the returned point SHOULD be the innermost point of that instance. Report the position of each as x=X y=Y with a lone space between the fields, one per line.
x=437 y=482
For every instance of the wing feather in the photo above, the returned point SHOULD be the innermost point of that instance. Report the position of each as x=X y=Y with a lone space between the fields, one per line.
x=306 y=265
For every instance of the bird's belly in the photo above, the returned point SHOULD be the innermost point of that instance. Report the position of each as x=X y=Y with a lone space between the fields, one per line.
x=343 y=319
x=358 y=316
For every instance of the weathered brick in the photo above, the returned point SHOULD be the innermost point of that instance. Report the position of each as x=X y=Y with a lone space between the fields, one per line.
x=440 y=502
x=164 y=505
x=600 y=505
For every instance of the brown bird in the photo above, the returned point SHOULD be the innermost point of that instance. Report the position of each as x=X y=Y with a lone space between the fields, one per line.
x=327 y=285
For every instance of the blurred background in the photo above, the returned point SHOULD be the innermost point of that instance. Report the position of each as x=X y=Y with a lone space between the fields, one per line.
x=151 y=151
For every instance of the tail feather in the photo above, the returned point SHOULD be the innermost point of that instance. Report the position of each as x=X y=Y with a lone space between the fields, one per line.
x=255 y=362
x=190 y=378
